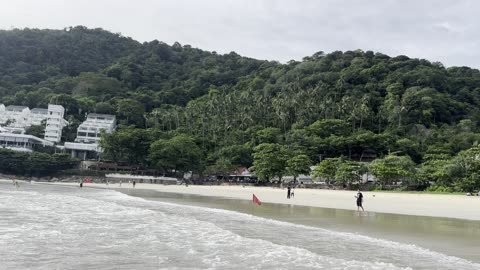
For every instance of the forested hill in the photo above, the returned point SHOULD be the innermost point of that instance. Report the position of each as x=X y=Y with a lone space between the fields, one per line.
x=74 y=60
x=353 y=104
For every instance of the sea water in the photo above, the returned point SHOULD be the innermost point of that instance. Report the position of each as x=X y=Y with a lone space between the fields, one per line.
x=51 y=227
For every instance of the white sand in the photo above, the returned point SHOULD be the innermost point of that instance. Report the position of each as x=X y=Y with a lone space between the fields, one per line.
x=452 y=206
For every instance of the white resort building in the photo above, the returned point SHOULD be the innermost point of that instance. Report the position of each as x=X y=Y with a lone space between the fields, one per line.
x=55 y=123
x=20 y=142
x=89 y=131
x=88 y=136
x=37 y=115
x=16 y=119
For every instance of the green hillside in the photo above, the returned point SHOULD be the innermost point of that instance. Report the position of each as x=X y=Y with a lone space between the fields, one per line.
x=181 y=108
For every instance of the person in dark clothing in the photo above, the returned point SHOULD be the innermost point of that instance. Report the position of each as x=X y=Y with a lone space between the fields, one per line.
x=289 y=189
x=134 y=183
x=81 y=184
x=359 y=200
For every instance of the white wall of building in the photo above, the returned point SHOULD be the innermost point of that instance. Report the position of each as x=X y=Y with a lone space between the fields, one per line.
x=19 y=117
x=21 y=142
x=55 y=123
x=23 y=118
x=37 y=115
x=90 y=130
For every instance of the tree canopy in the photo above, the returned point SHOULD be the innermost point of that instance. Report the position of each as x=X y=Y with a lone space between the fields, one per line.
x=359 y=105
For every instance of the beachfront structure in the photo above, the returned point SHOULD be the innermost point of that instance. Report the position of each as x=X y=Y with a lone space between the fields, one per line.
x=118 y=177
x=90 y=130
x=18 y=118
x=83 y=151
x=55 y=123
x=37 y=115
x=21 y=142
x=15 y=118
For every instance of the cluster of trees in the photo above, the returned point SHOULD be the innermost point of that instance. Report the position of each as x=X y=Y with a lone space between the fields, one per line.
x=173 y=153
x=446 y=173
x=34 y=164
x=184 y=109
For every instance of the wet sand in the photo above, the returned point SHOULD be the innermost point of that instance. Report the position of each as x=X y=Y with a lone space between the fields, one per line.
x=433 y=205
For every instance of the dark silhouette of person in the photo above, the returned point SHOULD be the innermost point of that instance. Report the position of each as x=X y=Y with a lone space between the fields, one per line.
x=359 y=200
x=289 y=189
x=81 y=184
x=134 y=183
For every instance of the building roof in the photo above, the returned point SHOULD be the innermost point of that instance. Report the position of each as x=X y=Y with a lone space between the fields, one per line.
x=39 y=110
x=56 y=108
x=24 y=136
x=106 y=116
x=15 y=108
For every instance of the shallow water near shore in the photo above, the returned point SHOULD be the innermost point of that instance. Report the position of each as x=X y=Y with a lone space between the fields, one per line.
x=52 y=227
x=456 y=237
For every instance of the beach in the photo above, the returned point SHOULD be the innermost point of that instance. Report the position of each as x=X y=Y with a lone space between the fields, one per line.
x=433 y=205
x=46 y=226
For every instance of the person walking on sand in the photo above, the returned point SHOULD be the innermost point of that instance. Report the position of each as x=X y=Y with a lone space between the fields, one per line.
x=133 y=183
x=359 y=200
x=289 y=190
x=292 y=194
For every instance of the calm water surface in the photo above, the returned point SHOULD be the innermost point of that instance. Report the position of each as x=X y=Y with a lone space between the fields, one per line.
x=51 y=227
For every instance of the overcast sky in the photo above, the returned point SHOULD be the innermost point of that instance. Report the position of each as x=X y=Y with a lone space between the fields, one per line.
x=441 y=30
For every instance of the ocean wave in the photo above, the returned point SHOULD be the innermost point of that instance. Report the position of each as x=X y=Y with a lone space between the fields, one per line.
x=425 y=256
x=125 y=232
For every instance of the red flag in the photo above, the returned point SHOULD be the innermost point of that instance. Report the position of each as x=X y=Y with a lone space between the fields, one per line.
x=256 y=200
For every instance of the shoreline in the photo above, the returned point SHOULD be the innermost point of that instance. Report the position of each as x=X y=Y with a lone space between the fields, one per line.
x=431 y=205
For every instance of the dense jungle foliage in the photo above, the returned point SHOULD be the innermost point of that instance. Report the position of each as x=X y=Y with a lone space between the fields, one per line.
x=184 y=109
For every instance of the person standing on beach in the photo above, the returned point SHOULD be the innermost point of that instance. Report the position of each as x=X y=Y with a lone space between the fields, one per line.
x=133 y=183
x=292 y=194
x=359 y=200
x=289 y=189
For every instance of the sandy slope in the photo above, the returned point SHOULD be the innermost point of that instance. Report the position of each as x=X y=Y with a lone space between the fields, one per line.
x=454 y=206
